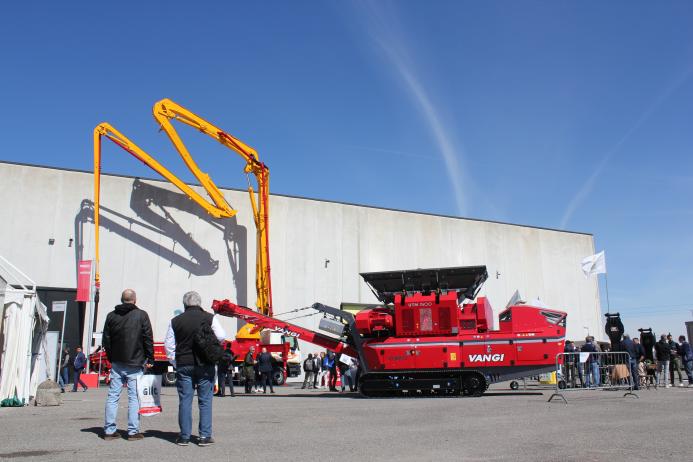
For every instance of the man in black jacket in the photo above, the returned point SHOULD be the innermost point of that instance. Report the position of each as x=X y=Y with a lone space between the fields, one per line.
x=127 y=340
x=663 y=355
x=192 y=370
x=223 y=371
x=632 y=351
x=264 y=365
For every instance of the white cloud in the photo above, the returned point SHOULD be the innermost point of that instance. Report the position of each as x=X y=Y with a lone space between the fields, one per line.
x=381 y=20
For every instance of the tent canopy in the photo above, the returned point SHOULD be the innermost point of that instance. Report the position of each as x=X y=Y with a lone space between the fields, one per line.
x=23 y=327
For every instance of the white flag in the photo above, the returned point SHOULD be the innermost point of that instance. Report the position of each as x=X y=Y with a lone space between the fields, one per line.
x=594 y=264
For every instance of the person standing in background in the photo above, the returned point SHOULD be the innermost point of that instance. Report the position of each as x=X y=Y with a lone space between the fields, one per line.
x=686 y=353
x=249 y=369
x=79 y=364
x=64 y=371
x=308 y=370
x=632 y=351
x=223 y=365
x=264 y=365
x=663 y=356
x=322 y=375
x=675 y=362
x=592 y=364
x=331 y=363
x=317 y=363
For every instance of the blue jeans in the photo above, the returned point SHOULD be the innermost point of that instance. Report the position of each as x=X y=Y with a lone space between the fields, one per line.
x=187 y=379
x=634 y=373
x=63 y=378
x=347 y=379
x=77 y=380
x=123 y=375
x=592 y=375
x=688 y=365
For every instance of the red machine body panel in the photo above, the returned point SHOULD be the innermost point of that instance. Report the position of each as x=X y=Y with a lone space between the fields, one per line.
x=468 y=348
x=422 y=339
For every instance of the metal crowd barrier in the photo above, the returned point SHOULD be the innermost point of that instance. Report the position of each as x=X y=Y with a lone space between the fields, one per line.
x=594 y=371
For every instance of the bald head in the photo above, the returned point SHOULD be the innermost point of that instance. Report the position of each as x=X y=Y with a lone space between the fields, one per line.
x=128 y=296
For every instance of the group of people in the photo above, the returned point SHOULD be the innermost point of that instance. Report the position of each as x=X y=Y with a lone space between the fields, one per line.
x=669 y=357
x=321 y=371
x=129 y=345
x=257 y=371
x=78 y=364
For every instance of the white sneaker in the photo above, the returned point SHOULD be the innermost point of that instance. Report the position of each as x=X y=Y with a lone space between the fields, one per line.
x=680 y=384
x=668 y=386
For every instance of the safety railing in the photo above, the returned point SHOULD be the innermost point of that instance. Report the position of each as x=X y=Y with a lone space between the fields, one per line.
x=594 y=371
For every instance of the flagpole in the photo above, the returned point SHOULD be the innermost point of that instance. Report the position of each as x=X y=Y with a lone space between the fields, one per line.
x=606 y=281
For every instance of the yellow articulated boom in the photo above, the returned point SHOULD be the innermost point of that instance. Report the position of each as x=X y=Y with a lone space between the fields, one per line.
x=165 y=111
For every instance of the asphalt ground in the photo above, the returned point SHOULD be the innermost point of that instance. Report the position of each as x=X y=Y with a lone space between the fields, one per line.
x=297 y=424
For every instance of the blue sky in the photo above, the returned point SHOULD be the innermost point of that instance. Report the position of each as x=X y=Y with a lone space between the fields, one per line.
x=570 y=115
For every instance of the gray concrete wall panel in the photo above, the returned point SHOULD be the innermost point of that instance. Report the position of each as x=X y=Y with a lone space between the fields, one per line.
x=157 y=241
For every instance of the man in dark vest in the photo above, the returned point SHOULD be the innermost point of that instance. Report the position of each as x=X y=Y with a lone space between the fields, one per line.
x=223 y=365
x=129 y=346
x=192 y=372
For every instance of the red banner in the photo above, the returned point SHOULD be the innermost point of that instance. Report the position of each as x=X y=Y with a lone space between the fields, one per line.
x=83 y=281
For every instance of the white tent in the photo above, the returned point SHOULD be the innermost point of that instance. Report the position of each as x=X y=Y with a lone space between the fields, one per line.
x=23 y=329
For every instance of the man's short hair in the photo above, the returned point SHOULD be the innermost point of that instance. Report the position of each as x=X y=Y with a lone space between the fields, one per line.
x=192 y=298
x=128 y=296
x=625 y=336
x=682 y=338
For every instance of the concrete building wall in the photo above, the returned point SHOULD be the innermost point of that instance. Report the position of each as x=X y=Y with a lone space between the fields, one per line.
x=157 y=241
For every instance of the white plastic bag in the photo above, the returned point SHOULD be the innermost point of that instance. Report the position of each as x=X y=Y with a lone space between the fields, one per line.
x=149 y=393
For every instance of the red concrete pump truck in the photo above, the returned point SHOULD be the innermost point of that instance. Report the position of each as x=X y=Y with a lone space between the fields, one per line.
x=424 y=338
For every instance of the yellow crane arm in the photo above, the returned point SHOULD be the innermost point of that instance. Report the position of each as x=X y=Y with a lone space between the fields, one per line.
x=164 y=112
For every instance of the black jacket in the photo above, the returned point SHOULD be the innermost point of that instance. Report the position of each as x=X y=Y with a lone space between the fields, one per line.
x=629 y=346
x=673 y=348
x=640 y=351
x=226 y=360
x=662 y=351
x=127 y=336
x=184 y=327
x=264 y=362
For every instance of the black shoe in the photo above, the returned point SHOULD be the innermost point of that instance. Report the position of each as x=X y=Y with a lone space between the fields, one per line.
x=180 y=441
x=84 y=389
x=113 y=436
x=62 y=390
x=205 y=441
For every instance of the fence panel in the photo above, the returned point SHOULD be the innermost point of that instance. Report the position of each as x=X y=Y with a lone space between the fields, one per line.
x=594 y=371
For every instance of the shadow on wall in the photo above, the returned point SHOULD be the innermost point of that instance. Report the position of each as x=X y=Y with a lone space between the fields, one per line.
x=152 y=204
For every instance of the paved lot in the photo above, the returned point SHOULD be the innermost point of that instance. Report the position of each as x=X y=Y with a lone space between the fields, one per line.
x=308 y=425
